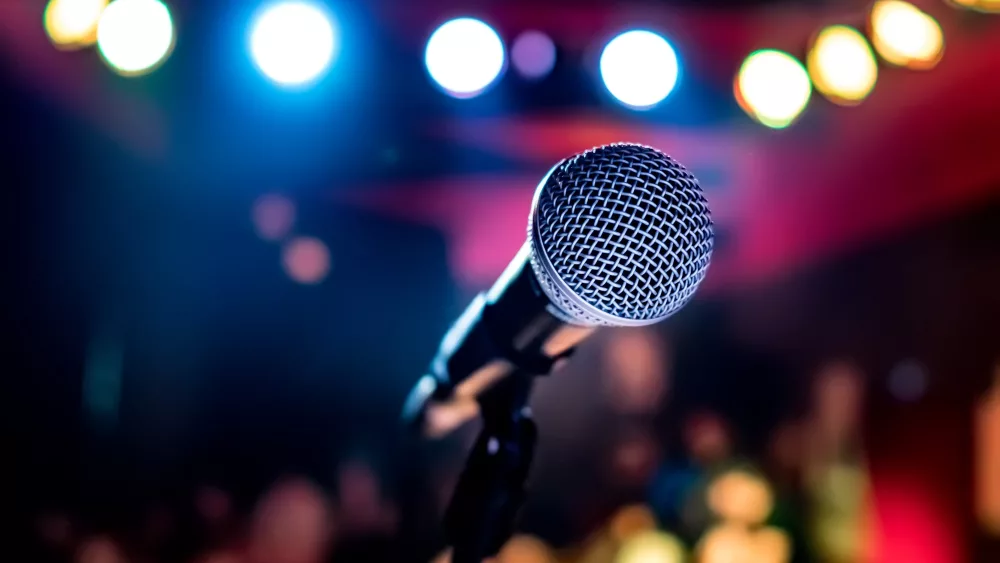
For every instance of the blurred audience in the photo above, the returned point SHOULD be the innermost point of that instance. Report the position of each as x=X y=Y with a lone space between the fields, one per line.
x=702 y=503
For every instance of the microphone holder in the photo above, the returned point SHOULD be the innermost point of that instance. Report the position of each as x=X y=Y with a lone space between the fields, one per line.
x=491 y=490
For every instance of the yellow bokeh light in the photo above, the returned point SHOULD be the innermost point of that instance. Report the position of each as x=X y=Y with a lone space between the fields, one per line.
x=729 y=543
x=72 y=24
x=905 y=36
x=773 y=88
x=989 y=6
x=651 y=547
x=842 y=65
x=631 y=520
x=525 y=549
x=740 y=496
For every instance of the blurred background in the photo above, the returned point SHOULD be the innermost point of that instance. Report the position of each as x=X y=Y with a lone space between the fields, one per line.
x=234 y=232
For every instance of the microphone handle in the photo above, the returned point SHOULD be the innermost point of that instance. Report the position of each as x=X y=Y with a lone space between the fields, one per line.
x=512 y=328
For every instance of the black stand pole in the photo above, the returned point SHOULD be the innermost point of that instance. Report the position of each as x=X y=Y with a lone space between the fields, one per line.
x=491 y=489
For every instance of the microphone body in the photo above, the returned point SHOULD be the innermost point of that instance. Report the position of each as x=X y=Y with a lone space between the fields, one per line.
x=512 y=330
x=619 y=235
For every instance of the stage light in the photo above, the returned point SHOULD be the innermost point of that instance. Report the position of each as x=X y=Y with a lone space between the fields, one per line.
x=842 y=65
x=533 y=54
x=464 y=57
x=135 y=36
x=306 y=260
x=905 y=36
x=773 y=88
x=651 y=547
x=639 y=68
x=293 y=43
x=72 y=24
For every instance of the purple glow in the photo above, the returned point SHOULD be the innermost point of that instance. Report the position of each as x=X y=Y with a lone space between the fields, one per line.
x=533 y=54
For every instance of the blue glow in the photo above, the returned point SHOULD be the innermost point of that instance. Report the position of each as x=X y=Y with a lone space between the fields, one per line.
x=293 y=43
x=464 y=57
x=639 y=68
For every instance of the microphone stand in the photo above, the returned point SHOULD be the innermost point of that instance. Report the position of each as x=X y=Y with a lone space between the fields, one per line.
x=506 y=338
x=482 y=513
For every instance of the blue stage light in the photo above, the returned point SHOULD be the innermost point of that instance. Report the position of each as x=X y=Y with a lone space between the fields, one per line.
x=293 y=43
x=639 y=68
x=464 y=57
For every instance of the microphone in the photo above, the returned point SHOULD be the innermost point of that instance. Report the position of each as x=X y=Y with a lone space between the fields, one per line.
x=619 y=235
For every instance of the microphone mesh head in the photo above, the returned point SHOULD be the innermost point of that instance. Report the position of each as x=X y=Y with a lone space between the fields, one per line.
x=621 y=235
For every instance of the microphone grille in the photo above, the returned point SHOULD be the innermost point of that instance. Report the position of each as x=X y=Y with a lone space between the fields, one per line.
x=621 y=235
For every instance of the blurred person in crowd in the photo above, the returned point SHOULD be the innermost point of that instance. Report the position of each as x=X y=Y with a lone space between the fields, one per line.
x=740 y=501
x=214 y=512
x=835 y=476
x=54 y=537
x=785 y=463
x=292 y=523
x=99 y=549
x=635 y=371
x=677 y=493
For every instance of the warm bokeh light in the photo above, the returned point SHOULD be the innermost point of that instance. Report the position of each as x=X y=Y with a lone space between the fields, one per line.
x=99 y=549
x=631 y=520
x=464 y=57
x=842 y=65
x=533 y=54
x=293 y=43
x=905 y=36
x=635 y=371
x=306 y=260
x=135 y=36
x=741 y=496
x=639 y=68
x=731 y=543
x=988 y=6
x=651 y=546
x=987 y=454
x=525 y=549
x=773 y=88
x=72 y=24
x=273 y=216
x=291 y=523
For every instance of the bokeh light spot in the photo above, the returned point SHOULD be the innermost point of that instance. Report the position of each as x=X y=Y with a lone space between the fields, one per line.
x=740 y=496
x=306 y=260
x=135 y=36
x=651 y=547
x=464 y=57
x=842 y=65
x=908 y=380
x=72 y=24
x=773 y=88
x=293 y=43
x=273 y=216
x=905 y=36
x=533 y=54
x=639 y=68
